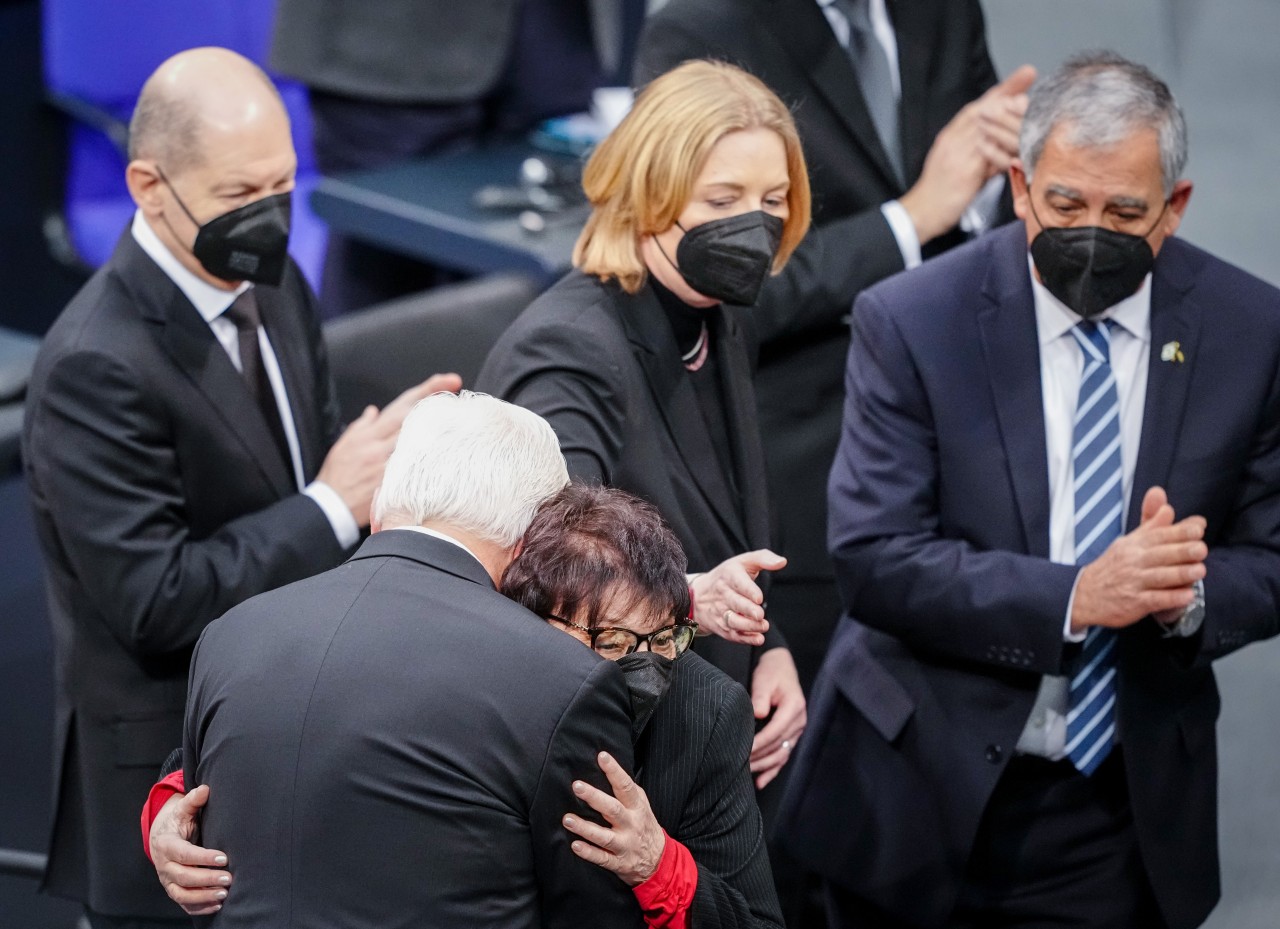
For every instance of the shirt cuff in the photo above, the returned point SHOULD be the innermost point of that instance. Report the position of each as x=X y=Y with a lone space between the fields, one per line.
x=160 y=793
x=667 y=896
x=982 y=212
x=904 y=230
x=1067 y=634
x=345 y=529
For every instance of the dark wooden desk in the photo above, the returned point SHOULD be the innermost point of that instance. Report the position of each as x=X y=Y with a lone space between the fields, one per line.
x=424 y=209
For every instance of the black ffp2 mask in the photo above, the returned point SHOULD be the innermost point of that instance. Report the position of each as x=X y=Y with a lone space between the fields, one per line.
x=249 y=243
x=729 y=259
x=648 y=678
x=1091 y=268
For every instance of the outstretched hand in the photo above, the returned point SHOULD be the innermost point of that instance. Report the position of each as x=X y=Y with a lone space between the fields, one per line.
x=729 y=603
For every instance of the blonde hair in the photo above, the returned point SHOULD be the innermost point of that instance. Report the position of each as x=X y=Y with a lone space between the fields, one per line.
x=641 y=177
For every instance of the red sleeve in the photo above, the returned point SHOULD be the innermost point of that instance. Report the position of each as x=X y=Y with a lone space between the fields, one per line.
x=667 y=896
x=160 y=794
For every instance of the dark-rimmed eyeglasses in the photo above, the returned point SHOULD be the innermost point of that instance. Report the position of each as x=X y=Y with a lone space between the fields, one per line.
x=615 y=641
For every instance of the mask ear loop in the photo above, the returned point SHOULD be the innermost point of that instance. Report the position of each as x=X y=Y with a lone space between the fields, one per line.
x=194 y=221
x=664 y=251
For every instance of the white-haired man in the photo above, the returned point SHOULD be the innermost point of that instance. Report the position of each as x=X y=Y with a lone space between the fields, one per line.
x=393 y=742
x=1053 y=507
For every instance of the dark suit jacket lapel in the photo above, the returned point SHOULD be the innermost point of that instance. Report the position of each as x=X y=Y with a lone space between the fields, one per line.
x=655 y=349
x=744 y=432
x=288 y=342
x=1175 y=317
x=1011 y=355
x=806 y=35
x=188 y=340
x=917 y=32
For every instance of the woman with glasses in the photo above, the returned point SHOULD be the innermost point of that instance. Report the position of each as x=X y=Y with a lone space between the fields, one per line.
x=640 y=358
x=686 y=833
x=604 y=567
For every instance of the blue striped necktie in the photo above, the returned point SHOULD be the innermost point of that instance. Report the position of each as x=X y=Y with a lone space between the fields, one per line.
x=1099 y=510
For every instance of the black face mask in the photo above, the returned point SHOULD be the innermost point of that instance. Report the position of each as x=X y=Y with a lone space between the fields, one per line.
x=729 y=259
x=648 y=678
x=1090 y=268
x=250 y=243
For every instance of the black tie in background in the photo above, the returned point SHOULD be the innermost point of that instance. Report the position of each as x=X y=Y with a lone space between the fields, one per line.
x=871 y=64
x=244 y=313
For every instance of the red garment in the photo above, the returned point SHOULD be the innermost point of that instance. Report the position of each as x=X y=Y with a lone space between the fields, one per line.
x=159 y=795
x=667 y=896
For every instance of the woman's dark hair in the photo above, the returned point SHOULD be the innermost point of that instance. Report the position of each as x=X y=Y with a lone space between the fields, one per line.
x=589 y=543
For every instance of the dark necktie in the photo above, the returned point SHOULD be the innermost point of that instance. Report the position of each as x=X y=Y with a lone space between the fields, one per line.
x=1099 y=506
x=871 y=65
x=244 y=313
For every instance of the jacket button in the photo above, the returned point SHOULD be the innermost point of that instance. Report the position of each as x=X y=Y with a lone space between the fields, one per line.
x=994 y=753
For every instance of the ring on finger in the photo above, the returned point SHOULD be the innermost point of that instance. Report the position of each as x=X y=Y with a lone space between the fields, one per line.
x=786 y=745
x=728 y=615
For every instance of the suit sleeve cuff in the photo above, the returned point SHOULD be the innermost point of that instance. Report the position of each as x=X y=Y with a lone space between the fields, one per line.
x=982 y=212
x=340 y=519
x=904 y=231
x=667 y=896
x=171 y=785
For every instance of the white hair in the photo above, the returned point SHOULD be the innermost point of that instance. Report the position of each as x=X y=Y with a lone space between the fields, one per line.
x=1100 y=99
x=474 y=462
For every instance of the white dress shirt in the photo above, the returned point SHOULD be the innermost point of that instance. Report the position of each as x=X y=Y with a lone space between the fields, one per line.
x=1061 y=365
x=211 y=303
x=440 y=535
x=980 y=214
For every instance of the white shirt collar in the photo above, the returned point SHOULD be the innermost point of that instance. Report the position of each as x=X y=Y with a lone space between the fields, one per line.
x=440 y=535
x=211 y=302
x=1054 y=319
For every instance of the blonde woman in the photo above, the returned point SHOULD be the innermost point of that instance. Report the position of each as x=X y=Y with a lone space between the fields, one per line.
x=640 y=358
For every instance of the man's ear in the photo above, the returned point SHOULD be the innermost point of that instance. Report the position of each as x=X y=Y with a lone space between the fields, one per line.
x=143 y=180
x=515 y=552
x=1178 y=201
x=1019 y=189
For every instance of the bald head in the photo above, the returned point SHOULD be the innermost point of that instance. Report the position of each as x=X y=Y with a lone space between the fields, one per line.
x=195 y=94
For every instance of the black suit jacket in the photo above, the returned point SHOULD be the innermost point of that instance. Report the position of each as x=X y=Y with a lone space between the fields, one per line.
x=602 y=367
x=160 y=501
x=940 y=528
x=801 y=315
x=426 y=731
x=693 y=762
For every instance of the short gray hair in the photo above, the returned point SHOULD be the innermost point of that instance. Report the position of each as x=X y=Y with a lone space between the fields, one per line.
x=1101 y=99
x=474 y=462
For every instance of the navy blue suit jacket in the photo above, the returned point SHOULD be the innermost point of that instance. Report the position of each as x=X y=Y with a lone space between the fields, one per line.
x=940 y=532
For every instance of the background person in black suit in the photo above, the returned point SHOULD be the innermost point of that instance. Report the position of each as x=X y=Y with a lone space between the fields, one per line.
x=601 y=565
x=884 y=196
x=1015 y=724
x=180 y=462
x=640 y=362
x=400 y=79
x=392 y=742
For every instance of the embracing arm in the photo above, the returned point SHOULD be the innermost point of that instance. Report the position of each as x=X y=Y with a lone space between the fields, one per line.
x=722 y=828
x=573 y=892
